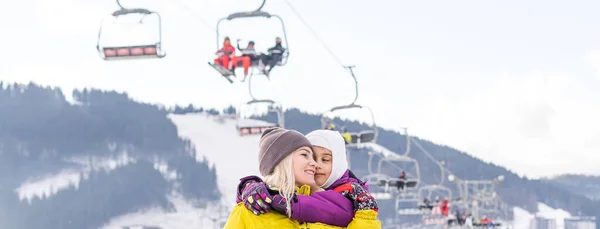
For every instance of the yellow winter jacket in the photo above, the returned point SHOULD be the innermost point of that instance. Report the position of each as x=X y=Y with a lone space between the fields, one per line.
x=242 y=218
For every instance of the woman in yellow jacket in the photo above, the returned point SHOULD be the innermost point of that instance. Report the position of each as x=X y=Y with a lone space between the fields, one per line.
x=286 y=161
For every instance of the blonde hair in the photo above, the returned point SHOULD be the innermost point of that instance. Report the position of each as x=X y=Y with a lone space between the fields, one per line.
x=283 y=179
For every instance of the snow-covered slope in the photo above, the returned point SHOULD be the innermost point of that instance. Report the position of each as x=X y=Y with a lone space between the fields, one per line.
x=522 y=218
x=546 y=211
x=234 y=156
x=253 y=122
x=219 y=141
x=50 y=184
x=184 y=216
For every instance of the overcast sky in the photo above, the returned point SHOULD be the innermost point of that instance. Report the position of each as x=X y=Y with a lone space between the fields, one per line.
x=512 y=82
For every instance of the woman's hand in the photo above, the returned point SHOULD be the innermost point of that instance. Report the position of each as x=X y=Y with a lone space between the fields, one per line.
x=256 y=197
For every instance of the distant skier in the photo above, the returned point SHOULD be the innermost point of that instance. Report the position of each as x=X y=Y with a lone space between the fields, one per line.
x=401 y=181
x=426 y=204
x=437 y=207
x=445 y=208
x=330 y=126
x=347 y=136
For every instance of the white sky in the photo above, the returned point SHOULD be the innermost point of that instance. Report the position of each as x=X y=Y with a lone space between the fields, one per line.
x=512 y=82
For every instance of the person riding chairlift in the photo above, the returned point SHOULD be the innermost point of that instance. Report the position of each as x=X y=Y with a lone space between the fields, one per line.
x=248 y=55
x=427 y=203
x=275 y=55
x=225 y=54
x=437 y=210
x=347 y=136
x=401 y=181
x=445 y=207
x=331 y=126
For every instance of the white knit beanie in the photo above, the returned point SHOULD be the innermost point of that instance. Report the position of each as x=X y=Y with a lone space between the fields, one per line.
x=333 y=141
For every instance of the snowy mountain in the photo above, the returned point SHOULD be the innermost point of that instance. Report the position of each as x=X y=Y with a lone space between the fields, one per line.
x=81 y=165
x=106 y=161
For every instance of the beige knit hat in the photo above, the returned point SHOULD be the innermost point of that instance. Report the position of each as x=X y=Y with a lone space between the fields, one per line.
x=276 y=144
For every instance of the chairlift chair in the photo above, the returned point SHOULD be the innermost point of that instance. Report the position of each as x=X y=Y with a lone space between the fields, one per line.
x=364 y=136
x=258 y=13
x=407 y=204
x=428 y=191
x=357 y=138
x=138 y=51
x=247 y=126
x=410 y=183
x=377 y=191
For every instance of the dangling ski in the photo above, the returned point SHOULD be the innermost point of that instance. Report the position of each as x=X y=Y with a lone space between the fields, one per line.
x=224 y=72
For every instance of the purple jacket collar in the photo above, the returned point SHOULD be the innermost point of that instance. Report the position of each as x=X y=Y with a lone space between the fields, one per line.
x=348 y=177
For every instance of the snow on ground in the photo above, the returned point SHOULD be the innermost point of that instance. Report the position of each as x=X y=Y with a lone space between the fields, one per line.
x=253 y=122
x=52 y=183
x=234 y=157
x=48 y=185
x=522 y=218
x=219 y=141
x=546 y=211
x=184 y=216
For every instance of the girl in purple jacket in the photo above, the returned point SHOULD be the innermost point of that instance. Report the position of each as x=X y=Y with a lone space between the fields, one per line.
x=339 y=196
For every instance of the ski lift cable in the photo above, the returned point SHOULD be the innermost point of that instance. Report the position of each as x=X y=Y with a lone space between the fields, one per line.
x=314 y=33
x=430 y=157
x=196 y=15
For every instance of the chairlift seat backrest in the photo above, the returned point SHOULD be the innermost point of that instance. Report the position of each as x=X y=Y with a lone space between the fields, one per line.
x=367 y=136
x=409 y=211
x=381 y=195
x=396 y=182
x=145 y=51
x=254 y=130
x=411 y=183
x=355 y=138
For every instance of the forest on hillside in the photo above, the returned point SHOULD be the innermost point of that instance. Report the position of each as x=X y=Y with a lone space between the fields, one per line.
x=586 y=185
x=41 y=133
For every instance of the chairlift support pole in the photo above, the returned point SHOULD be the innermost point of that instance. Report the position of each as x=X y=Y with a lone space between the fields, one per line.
x=407 y=151
x=278 y=110
x=350 y=67
x=250 y=87
x=261 y=5
x=121 y=6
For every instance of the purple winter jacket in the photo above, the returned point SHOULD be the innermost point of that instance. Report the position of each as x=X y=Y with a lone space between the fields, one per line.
x=328 y=207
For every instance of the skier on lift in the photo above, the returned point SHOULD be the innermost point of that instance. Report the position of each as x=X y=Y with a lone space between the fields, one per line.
x=248 y=56
x=347 y=136
x=331 y=126
x=401 y=181
x=225 y=54
x=275 y=55
x=426 y=204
